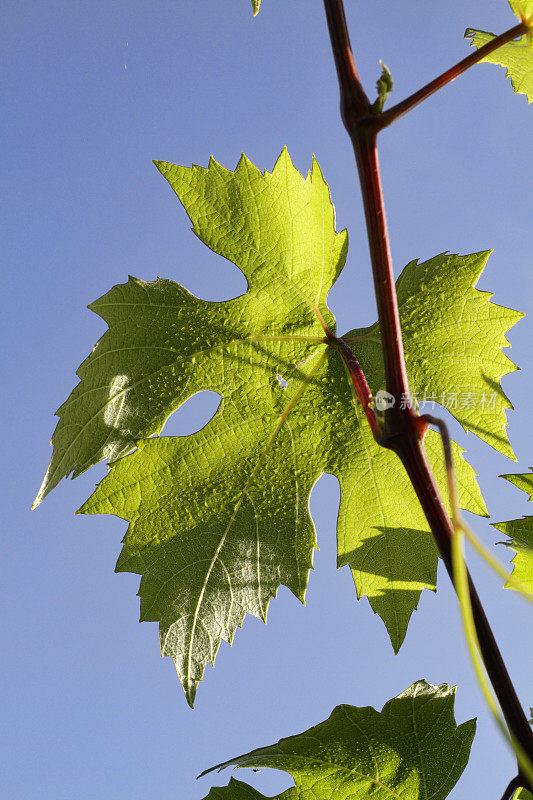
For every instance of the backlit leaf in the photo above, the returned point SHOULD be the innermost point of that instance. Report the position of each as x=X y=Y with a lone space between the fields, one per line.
x=521 y=794
x=219 y=519
x=520 y=533
x=411 y=750
x=516 y=56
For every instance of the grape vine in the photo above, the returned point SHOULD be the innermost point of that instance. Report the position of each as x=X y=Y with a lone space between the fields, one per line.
x=219 y=520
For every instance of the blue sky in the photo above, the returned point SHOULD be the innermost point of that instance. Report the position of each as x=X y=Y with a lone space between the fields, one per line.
x=91 y=93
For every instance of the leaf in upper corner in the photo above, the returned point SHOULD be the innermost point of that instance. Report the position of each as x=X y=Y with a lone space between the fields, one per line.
x=520 y=533
x=383 y=87
x=516 y=56
x=411 y=749
x=219 y=519
x=255 y=6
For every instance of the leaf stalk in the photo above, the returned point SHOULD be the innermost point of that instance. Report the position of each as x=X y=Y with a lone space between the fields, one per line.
x=358 y=378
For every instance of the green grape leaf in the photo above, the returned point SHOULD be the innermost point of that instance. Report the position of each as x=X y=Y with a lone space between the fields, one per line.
x=383 y=87
x=129 y=386
x=219 y=519
x=462 y=372
x=516 y=57
x=412 y=750
x=522 y=8
x=520 y=533
x=382 y=532
x=520 y=794
x=523 y=482
x=255 y=6
x=237 y=790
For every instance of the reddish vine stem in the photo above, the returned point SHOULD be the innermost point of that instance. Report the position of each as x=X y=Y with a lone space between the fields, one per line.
x=438 y=83
x=357 y=376
x=413 y=457
x=357 y=117
x=365 y=147
x=402 y=432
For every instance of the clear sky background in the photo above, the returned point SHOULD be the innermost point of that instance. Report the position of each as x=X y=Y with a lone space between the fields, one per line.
x=91 y=93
